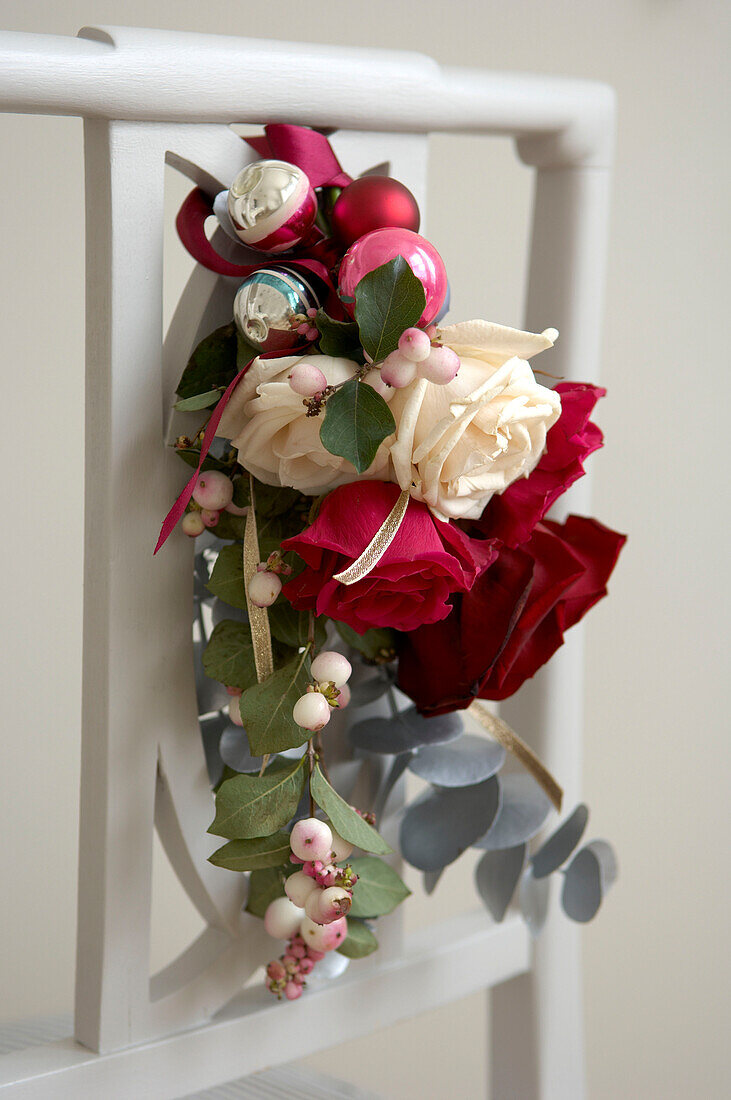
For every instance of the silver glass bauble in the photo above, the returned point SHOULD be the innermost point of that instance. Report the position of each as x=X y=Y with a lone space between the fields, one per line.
x=266 y=304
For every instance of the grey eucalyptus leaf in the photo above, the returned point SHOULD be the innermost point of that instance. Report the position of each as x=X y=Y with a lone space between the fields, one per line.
x=471 y=759
x=445 y=821
x=533 y=897
x=367 y=691
x=524 y=808
x=431 y=878
x=397 y=769
x=559 y=846
x=404 y=731
x=211 y=730
x=221 y=611
x=496 y=876
x=327 y=970
x=587 y=879
x=235 y=752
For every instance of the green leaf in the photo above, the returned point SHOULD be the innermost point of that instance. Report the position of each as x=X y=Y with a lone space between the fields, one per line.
x=357 y=420
x=378 y=889
x=227 y=578
x=349 y=824
x=254 y=854
x=200 y=401
x=264 y=887
x=377 y=644
x=229 y=527
x=252 y=805
x=275 y=500
x=291 y=627
x=241 y=497
x=359 y=942
x=191 y=457
x=229 y=655
x=212 y=365
x=266 y=708
x=388 y=300
x=339 y=338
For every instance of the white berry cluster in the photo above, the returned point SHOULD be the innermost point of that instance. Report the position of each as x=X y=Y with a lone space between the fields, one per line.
x=312 y=916
x=329 y=689
x=419 y=356
x=213 y=494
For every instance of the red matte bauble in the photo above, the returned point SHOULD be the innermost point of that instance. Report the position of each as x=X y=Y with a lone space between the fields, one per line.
x=373 y=202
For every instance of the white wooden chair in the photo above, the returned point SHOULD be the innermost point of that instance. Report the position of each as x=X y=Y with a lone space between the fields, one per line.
x=148 y=97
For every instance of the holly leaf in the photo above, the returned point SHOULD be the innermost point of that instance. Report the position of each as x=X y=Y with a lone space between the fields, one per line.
x=378 y=889
x=339 y=338
x=227 y=578
x=377 y=644
x=388 y=300
x=266 y=708
x=264 y=887
x=349 y=824
x=359 y=942
x=229 y=655
x=253 y=854
x=200 y=401
x=212 y=365
x=251 y=805
x=357 y=420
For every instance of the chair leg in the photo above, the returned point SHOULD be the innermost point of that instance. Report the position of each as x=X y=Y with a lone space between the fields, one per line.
x=537 y=1048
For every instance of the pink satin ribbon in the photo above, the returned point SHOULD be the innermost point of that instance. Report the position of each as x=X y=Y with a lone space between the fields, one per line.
x=308 y=149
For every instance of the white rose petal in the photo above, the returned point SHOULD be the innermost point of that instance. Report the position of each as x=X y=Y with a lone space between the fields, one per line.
x=277 y=442
x=457 y=445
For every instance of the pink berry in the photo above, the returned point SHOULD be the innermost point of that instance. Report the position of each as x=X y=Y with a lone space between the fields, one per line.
x=316 y=956
x=335 y=902
x=306 y=379
x=192 y=524
x=264 y=588
x=233 y=691
x=298 y=887
x=276 y=970
x=282 y=919
x=343 y=696
x=299 y=951
x=374 y=380
x=324 y=937
x=431 y=331
x=341 y=849
x=441 y=366
x=313 y=908
x=292 y=991
x=311 y=839
x=210 y=517
x=234 y=711
x=213 y=490
x=311 y=711
x=398 y=371
x=307 y=965
x=235 y=510
x=414 y=345
x=331 y=666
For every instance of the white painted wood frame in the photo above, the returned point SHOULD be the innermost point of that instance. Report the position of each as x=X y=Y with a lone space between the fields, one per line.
x=151 y=96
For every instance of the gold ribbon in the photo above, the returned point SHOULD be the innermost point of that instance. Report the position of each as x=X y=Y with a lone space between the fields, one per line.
x=509 y=739
x=261 y=637
x=378 y=545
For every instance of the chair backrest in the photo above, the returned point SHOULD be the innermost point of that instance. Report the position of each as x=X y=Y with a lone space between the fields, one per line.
x=152 y=97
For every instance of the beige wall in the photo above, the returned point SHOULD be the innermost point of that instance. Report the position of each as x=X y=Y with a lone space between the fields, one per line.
x=657 y=747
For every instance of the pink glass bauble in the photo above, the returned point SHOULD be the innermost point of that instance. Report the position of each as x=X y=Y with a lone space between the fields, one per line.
x=373 y=202
x=377 y=248
x=272 y=205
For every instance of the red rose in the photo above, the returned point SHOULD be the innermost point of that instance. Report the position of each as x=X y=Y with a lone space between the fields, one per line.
x=513 y=619
x=427 y=561
x=512 y=514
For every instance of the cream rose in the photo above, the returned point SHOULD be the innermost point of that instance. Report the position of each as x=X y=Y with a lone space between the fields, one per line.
x=268 y=424
x=458 y=444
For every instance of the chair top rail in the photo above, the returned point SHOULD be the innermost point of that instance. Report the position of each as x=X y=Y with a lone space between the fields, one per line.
x=138 y=74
